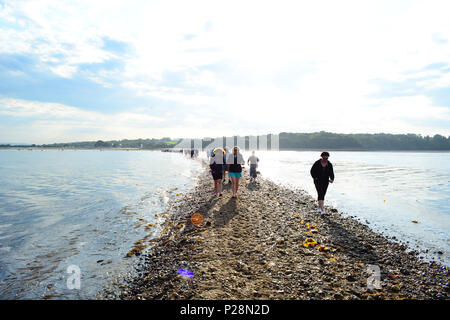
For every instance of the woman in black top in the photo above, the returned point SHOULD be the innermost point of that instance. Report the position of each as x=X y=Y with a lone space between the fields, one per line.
x=322 y=173
x=235 y=161
x=216 y=166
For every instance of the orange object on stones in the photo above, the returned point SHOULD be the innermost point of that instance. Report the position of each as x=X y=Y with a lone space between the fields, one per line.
x=197 y=219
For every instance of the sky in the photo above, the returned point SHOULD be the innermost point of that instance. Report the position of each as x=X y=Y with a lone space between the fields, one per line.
x=91 y=70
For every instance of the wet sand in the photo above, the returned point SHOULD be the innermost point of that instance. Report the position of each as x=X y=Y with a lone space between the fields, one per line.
x=270 y=243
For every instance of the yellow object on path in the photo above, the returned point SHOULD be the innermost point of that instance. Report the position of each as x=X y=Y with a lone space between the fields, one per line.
x=309 y=242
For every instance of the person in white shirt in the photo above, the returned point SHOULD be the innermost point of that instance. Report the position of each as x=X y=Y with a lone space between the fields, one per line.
x=253 y=161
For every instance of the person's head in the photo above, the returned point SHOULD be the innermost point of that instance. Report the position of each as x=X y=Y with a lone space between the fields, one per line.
x=324 y=155
x=253 y=152
x=236 y=150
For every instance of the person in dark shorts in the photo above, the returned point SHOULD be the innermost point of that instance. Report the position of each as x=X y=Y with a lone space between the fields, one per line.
x=253 y=162
x=216 y=166
x=322 y=173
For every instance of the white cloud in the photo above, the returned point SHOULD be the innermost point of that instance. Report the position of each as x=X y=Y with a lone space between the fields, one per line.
x=50 y=121
x=64 y=71
x=25 y=108
x=441 y=82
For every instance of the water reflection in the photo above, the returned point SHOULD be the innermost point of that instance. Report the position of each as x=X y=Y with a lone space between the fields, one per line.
x=85 y=208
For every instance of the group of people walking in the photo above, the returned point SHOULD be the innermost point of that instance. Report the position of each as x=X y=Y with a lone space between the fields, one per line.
x=221 y=161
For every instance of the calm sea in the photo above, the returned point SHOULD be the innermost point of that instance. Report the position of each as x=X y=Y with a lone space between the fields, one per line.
x=83 y=208
x=385 y=190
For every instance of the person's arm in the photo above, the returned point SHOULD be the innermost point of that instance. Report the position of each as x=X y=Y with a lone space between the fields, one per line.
x=313 y=171
x=331 y=173
x=241 y=158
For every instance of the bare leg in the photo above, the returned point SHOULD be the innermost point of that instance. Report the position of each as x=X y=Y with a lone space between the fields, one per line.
x=216 y=186
x=321 y=205
x=237 y=185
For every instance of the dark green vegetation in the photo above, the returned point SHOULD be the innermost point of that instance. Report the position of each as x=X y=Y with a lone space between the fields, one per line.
x=138 y=143
x=378 y=141
x=288 y=141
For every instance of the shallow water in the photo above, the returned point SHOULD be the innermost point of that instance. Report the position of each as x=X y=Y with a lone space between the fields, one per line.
x=386 y=190
x=63 y=208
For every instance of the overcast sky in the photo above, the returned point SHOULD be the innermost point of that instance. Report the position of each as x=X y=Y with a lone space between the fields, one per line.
x=89 y=70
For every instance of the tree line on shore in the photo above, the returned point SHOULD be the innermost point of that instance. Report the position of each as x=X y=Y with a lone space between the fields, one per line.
x=287 y=141
x=365 y=141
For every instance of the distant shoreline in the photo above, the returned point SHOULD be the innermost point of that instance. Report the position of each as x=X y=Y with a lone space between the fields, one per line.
x=76 y=149
x=160 y=149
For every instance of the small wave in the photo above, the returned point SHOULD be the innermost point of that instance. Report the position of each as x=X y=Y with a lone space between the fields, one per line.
x=4 y=226
x=6 y=236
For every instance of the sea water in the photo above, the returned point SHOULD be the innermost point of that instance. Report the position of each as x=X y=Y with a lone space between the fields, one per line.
x=83 y=208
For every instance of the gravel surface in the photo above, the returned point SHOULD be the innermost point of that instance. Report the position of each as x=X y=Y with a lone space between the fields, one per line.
x=270 y=243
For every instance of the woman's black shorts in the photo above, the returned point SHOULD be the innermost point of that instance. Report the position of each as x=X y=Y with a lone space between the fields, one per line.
x=217 y=171
x=217 y=175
